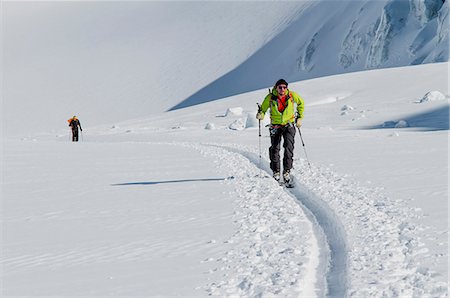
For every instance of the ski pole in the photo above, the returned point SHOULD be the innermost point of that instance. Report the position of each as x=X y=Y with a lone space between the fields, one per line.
x=259 y=125
x=304 y=147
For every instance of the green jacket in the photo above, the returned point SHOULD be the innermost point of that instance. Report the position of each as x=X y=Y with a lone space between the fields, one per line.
x=288 y=115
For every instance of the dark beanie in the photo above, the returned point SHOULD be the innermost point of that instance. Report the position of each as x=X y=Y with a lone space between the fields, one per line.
x=281 y=82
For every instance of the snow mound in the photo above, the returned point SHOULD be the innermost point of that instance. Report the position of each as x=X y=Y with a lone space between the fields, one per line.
x=251 y=122
x=237 y=111
x=401 y=124
x=396 y=124
x=238 y=124
x=347 y=108
x=210 y=126
x=432 y=96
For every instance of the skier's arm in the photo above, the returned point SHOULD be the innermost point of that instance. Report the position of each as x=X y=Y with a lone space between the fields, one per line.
x=265 y=104
x=79 y=124
x=300 y=104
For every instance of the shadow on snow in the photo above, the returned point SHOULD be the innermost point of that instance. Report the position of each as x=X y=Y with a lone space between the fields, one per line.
x=172 y=181
x=262 y=69
x=434 y=120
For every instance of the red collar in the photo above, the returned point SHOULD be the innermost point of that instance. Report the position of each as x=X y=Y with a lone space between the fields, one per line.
x=282 y=102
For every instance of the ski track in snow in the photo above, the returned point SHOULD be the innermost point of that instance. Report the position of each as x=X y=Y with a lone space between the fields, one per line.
x=373 y=256
x=275 y=251
x=329 y=236
x=331 y=267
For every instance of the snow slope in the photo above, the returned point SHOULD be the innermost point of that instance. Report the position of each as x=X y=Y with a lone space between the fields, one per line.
x=332 y=37
x=181 y=204
x=133 y=59
x=125 y=59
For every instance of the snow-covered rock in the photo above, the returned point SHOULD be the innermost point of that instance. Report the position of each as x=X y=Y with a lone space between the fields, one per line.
x=432 y=96
x=425 y=10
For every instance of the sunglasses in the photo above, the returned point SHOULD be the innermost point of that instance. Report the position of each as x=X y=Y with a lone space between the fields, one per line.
x=281 y=87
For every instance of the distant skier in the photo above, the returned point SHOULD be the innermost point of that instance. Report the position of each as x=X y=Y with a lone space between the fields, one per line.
x=74 y=123
x=281 y=102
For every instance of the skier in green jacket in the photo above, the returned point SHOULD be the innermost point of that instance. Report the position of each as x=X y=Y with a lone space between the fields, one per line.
x=283 y=104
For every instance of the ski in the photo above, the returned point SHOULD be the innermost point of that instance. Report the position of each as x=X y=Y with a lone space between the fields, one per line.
x=289 y=184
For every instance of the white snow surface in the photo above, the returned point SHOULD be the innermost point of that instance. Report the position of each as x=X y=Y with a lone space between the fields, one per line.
x=180 y=203
x=161 y=206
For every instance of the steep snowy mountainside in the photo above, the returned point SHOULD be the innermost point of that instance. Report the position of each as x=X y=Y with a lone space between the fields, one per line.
x=332 y=37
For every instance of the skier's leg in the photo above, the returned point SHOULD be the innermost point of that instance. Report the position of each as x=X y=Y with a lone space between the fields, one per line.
x=274 y=150
x=288 y=145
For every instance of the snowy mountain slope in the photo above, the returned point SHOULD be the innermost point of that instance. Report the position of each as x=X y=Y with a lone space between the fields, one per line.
x=127 y=60
x=381 y=192
x=110 y=61
x=331 y=37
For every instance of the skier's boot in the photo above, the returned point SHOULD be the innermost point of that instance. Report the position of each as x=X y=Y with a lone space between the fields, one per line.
x=287 y=179
x=276 y=176
x=286 y=176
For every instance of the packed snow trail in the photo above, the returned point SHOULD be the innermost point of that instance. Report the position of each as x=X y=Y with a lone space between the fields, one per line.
x=279 y=251
x=327 y=223
x=335 y=238
x=376 y=255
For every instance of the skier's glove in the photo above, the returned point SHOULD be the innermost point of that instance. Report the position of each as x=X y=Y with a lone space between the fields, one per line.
x=260 y=116
x=299 y=122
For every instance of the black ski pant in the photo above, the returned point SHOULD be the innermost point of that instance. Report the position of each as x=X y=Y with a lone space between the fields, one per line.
x=74 y=135
x=277 y=132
